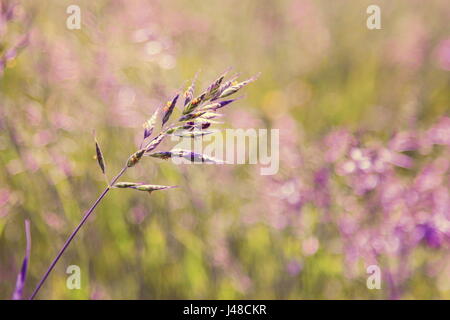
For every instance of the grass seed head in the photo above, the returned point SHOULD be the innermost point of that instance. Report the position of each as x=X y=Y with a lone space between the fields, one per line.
x=236 y=87
x=100 y=158
x=214 y=87
x=126 y=184
x=168 y=109
x=189 y=93
x=194 y=103
x=149 y=125
x=152 y=187
x=155 y=142
x=135 y=157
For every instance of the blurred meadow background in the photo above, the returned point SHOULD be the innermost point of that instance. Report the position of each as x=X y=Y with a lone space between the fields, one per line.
x=364 y=149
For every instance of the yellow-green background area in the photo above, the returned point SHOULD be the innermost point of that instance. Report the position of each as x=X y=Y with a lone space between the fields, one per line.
x=320 y=66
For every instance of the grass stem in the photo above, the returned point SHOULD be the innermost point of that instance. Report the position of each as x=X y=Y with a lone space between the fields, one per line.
x=80 y=225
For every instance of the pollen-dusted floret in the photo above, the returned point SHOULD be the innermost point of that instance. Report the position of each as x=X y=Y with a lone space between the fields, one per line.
x=191 y=116
x=135 y=157
x=214 y=87
x=168 y=109
x=189 y=93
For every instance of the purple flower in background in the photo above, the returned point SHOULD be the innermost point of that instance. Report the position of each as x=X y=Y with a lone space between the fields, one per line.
x=337 y=143
x=443 y=54
x=430 y=235
x=440 y=132
x=293 y=267
x=404 y=141
x=321 y=192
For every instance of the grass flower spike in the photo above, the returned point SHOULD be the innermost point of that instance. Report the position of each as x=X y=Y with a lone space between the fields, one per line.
x=197 y=116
